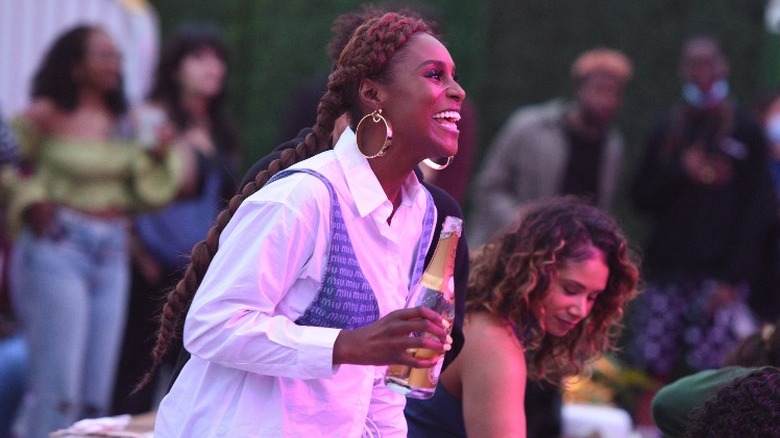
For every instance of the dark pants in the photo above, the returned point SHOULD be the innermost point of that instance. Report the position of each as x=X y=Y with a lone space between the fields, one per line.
x=146 y=301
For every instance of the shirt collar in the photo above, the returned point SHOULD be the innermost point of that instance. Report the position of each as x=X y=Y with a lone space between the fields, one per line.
x=361 y=180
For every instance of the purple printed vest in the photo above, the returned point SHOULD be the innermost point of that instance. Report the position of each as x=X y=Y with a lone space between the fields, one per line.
x=345 y=299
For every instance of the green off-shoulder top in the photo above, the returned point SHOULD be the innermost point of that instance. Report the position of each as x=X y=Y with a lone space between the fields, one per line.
x=86 y=175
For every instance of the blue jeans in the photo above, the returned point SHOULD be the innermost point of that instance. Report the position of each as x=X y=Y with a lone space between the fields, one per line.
x=71 y=292
x=13 y=358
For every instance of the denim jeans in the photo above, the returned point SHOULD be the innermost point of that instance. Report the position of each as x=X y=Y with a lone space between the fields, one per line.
x=71 y=289
x=13 y=362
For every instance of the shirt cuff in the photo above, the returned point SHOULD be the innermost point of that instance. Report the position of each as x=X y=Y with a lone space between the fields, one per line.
x=318 y=360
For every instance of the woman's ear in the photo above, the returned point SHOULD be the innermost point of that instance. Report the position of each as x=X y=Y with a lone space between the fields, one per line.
x=371 y=94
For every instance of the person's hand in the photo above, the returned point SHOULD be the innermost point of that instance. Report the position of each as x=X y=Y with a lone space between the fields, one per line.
x=704 y=168
x=388 y=341
x=143 y=260
x=164 y=135
x=40 y=218
x=693 y=161
x=189 y=145
x=149 y=268
x=197 y=138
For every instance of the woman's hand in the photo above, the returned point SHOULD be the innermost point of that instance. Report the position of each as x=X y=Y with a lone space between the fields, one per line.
x=147 y=266
x=389 y=341
x=153 y=130
x=164 y=135
x=189 y=145
x=198 y=139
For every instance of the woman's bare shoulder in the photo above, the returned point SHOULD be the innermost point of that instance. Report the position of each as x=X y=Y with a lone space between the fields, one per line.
x=493 y=377
x=489 y=332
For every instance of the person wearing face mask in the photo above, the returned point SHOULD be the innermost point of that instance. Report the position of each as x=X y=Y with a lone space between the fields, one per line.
x=704 y=185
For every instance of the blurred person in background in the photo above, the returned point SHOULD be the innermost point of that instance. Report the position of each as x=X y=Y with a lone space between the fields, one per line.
x=189 y=89
x=563 y=146
x=764 y=298
x=13 y=350
x=28 y=28
x=9 y=147
x=705 y=186
x=82 y=178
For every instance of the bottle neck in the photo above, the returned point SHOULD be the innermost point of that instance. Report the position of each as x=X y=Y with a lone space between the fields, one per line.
x=438 y=275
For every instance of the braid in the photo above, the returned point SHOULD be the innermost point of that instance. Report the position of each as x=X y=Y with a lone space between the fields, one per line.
x=367 y=55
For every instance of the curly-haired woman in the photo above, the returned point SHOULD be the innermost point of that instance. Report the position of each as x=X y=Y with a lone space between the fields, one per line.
x=544 y=298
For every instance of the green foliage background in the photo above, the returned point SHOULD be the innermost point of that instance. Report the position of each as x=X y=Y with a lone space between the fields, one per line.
x=276 y=45
x=509 y=53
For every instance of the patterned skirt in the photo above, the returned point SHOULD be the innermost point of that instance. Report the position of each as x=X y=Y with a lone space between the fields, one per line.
x=673 y=329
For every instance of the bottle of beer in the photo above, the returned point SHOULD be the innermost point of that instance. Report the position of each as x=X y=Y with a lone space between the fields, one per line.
x=436 y=291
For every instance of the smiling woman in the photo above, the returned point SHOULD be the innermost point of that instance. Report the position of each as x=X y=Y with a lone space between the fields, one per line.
x=285 y=339
x=574 y=290
x=544 y=298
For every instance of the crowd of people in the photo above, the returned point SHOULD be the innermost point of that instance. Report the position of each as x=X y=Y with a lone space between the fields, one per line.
x=141 y=273
x=104 y=199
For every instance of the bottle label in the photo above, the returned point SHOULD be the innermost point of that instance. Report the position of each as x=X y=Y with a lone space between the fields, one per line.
x=431 y=282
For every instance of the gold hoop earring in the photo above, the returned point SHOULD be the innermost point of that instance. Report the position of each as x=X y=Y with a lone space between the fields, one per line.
x=436 y=166
x=376 y=117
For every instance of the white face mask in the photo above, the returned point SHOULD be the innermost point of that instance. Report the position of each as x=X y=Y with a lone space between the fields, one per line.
x=772 y=130
x=694 y=96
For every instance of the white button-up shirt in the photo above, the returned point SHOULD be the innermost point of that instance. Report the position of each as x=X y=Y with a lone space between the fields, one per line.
x=253 y=372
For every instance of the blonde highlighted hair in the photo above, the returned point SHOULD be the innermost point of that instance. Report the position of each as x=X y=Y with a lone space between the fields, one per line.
x=511 y=275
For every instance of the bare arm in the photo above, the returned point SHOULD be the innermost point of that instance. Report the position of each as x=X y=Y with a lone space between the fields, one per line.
x=493 y=377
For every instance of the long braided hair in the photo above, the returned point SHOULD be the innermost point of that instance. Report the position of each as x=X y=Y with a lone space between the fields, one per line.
x=367 y=55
